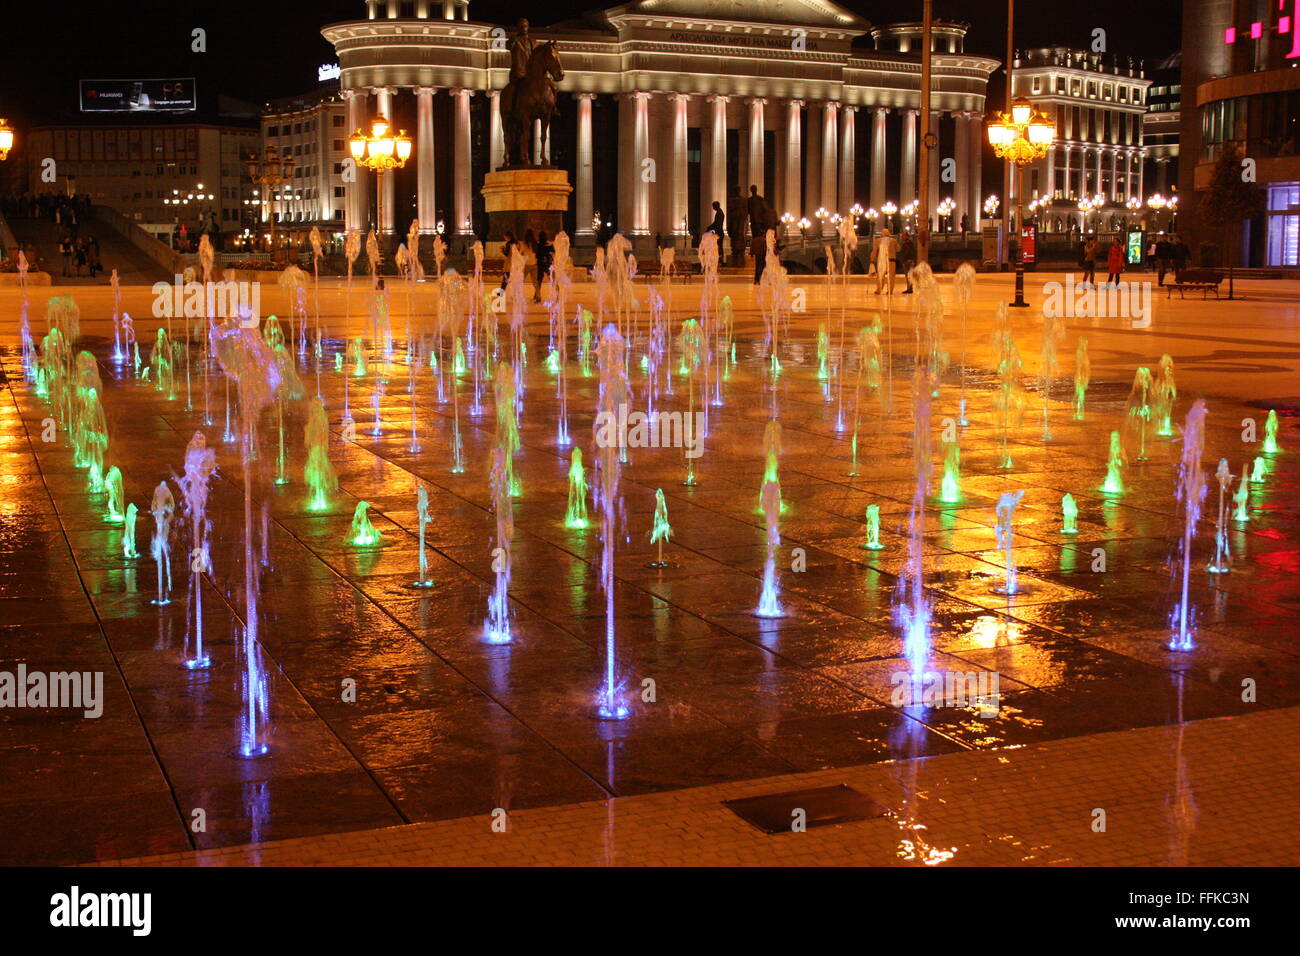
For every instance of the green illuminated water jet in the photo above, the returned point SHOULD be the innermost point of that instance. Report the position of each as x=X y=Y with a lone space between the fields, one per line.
x=359 y=369
x=128 y=533
x=1082 y=376
x=113 y=489
x=1241 y=500
x=873 y=529
x=1138 y=415
x=576 y=516
x=1114 y=483
x=1163 y=393
x=661 y=531
x=1222 y=561
x=1259 y=472
x=362 y=533
x=1271 y=446
x=1069 y=515
x=950 y=486
x=318 y=473
x=422 y=513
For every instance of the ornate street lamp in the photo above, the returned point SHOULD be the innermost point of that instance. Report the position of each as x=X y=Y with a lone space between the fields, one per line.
x=380 y=151
x=6 y=139
x=270 y=170
x=1021 y=138
x=803 y=225
x=872 y=215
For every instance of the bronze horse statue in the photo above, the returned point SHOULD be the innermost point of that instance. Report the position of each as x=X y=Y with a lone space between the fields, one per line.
x=529 y=99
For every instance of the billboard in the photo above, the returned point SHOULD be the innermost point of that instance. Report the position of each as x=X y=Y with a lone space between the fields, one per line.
x=138 y=96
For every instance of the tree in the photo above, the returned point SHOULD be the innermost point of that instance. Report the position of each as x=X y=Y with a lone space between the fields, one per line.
x=1230 y=201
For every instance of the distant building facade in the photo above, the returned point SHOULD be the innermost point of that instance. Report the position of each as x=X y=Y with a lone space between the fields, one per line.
x=1241 y=91
x=1160 y=126
x=311 y=130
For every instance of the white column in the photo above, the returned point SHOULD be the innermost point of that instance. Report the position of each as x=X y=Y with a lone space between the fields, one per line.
x=1098 y=182
x=790 y=197
x=812 y=182
x=464 y=203
x=426 y=206
x=932 y=156
x=848 y=156
x=1065 y=174
x=1050 y=179
x=1141 y=176
x=1114 y=176
x=497 y=147
x=907 y=183
x=384 y=106
x=878 y=118
x=679 y=194
x=1083 y=172
x=754 y=172
x=640 y=151
x=356 y=206
x=975 y=168
x=713 y=182
x=961 y=188
x=583 y=195
x=829 y=155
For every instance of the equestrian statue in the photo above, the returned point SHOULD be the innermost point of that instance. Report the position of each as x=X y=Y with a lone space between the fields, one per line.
x=529 y=95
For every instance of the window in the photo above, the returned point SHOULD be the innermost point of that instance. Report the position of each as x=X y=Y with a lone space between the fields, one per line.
x=338 y=119
x=1282 y=246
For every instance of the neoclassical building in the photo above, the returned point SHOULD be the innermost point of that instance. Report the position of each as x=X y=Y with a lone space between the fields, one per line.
x=666 y=106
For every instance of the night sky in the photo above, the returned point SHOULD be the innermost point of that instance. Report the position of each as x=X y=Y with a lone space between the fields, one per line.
x=259 y=50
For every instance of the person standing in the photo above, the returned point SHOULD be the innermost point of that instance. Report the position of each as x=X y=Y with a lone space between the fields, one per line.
x=1164 y=252
x=506 y=249
x=1114 y=262
x=885 y=252
x=1181 y=254
x=736 y=216
x=1088 y=261
x=65 y=249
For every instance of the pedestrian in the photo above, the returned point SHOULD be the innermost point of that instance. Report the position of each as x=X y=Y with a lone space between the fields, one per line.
x=1164 y=253
x=545 y=257
x=1181 y=254
x=907 y=259
x=528 y=246
x=92 y=256
x=1114 y=262
x=1088 y=261
x=65 y=249
x=507 y=248
x=719 y=221
x=885 y=252
x=79 y=256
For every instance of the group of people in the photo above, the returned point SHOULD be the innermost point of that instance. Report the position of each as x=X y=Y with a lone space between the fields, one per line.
x=80 y=253
x=1165 y=252
x=62 y=210
x=538 y=254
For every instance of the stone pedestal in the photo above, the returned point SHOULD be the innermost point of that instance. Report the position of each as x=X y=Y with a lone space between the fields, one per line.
x=525 y=198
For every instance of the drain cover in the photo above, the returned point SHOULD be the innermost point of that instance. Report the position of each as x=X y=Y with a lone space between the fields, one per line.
x=823 y=806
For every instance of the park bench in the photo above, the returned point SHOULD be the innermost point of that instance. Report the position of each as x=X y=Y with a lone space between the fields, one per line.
x=1203 y=279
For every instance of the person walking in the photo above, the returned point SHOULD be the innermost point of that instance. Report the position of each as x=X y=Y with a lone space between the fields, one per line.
x=1181 y=254
x=885 y=252
x=1088 y=262
x=507 y=249
x=1114 y=262
x=1164 y=252
x=65 y=250
x=92 y=256
x=545 y=257
x=907 y=259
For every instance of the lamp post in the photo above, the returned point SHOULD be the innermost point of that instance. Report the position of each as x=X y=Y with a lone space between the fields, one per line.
x=268 y=171
x=872 y=214
x=787 y=220
x=380 y=151
x=803 y=224
x=6 y=139
x=1021 y=137
x=889 y=208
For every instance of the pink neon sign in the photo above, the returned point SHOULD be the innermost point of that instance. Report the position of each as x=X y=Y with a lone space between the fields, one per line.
x=1284 y=25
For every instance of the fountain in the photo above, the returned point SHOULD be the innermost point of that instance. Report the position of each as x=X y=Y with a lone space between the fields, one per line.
x=1137 y=416
x=1271 y=446
x=1082 y=375
x=912 y=609
x=115 y=495
x=868 y=368
x=1069 y=515
x=1222 y=562
x=1191 y=491
x=873 y=529
x=1259 y=473
x=950 y=486
x=318 y=472
x=611 y=360
x=162 y=509
x=128 y=532
x=768 y=604
x=496 y=628
x=361 y=532
x=422 y=512
x=200 y=465
x=1009 y=399
x=771 y=458
x=1241 y=500
x=507 y=433
x=693 y=355
x=1114 y=483
x=1163 y=393
x=661 y=531
x=1053 y=333
x=1005 y=533
x=576 y=515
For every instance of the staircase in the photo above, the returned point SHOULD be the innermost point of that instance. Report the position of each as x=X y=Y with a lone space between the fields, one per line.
x=42 y=235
